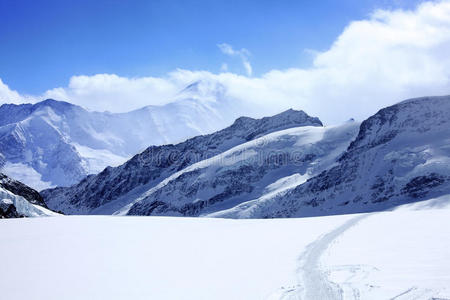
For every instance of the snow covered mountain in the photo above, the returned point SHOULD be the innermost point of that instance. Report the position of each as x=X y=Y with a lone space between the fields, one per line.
x=401 y=155
x=18 y=200
x=280 y=167
x=267 y=165
x=115 y=188
x=54 y=143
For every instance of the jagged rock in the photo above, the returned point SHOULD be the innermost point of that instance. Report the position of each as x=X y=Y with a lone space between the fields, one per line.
x=8 y=210
x=20 y=189
x=18 y=200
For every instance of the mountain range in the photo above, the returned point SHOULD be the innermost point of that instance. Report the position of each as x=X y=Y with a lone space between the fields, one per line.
x=288 y=165
x=400 y=155
x=116 y=187
x=54 y=143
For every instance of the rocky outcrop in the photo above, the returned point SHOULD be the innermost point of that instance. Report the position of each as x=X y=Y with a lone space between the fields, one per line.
x=8 y=210
x=22 y=190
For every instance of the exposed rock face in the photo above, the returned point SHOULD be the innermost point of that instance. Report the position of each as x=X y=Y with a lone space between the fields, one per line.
x=401 y=155
x=8 y=210
x=18 y=200
x=22 y=190
x=114 y=188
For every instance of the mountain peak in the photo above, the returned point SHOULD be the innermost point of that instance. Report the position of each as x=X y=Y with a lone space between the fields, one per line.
x=293 y=114
x=203 y=88
x=289 y=117
x=55 y=104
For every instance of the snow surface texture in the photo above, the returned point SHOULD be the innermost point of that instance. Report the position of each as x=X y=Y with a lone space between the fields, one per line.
x=402 y=254
x=55 y=143
x=401 y=155
x=115 y=188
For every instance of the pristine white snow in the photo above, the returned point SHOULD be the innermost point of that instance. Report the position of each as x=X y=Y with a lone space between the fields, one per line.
x=402 y=254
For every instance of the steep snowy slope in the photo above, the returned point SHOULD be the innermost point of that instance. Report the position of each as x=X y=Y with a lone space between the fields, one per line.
x=269 y=164
x=399 y=255
x=401 y=155
x=19 y=200
x=114 y=188
x=55 y=143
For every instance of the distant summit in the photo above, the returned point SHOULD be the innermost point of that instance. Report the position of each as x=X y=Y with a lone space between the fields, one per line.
x=56 y=143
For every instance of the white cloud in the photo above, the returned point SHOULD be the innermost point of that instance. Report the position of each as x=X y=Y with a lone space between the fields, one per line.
x=391 y=56
x=243 y=54
x=115 y=93
x=10 y=96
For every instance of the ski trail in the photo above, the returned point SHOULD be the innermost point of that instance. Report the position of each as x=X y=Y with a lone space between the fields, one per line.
x=314 y=279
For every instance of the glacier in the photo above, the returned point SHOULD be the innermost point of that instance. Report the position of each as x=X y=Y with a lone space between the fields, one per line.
x=401 y=254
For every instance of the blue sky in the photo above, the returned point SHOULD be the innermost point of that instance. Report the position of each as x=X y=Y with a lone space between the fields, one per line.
x=44 y=43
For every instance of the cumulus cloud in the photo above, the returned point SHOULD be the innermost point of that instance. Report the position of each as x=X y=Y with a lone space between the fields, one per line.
x=243 y=54
x=388 y=57
x=112 y=92
x=10 y=96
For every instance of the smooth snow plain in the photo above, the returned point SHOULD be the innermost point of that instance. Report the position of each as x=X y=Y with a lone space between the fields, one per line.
x=401 y=254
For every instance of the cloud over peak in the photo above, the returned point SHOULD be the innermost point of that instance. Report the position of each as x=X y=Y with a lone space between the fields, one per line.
x=388 y=57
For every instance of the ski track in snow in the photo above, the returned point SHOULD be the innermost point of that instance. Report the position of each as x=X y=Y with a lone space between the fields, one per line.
x=314 y=283
x=313 y=278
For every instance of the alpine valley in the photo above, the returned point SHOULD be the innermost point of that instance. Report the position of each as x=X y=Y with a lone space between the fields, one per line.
x=349 y=211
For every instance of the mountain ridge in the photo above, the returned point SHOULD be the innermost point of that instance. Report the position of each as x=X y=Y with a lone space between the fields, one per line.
x=400 y=155
x=157 y=162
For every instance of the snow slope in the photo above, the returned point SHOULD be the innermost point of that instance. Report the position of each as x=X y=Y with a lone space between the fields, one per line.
x=401 y=254
x=117 y=187
x=400 y=155
x=267 y=165
x=56 y=143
